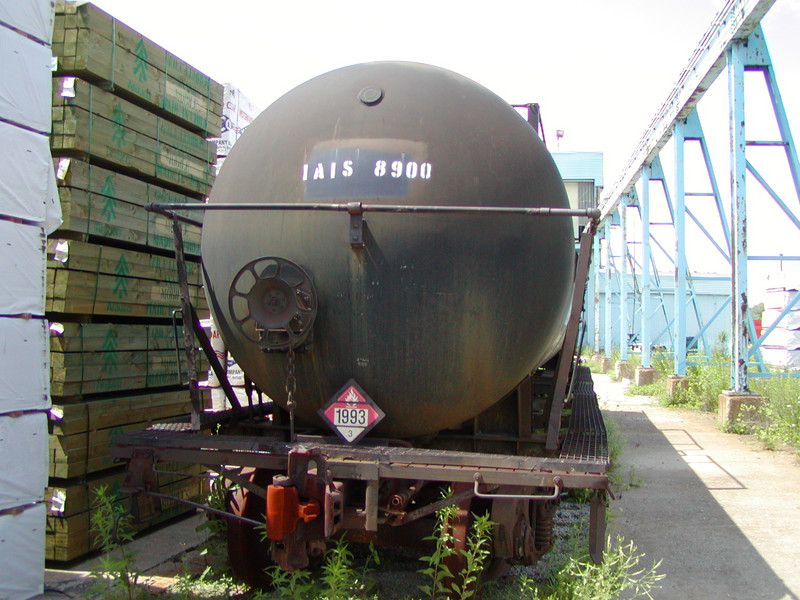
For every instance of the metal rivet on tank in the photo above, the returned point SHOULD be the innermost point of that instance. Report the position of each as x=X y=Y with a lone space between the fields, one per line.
x=370 y=95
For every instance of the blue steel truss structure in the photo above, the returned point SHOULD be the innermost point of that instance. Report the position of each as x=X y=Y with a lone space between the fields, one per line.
x=734 y=43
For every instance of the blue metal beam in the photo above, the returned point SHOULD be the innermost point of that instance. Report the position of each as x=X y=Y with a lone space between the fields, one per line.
x=607 y=336
x=623 y=284
x=735 y=21
x=739 y=303
x=644 y=207
x=758 y=59
x=679 y=218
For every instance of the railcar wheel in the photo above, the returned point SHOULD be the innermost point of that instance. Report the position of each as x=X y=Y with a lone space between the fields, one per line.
x=248 y=552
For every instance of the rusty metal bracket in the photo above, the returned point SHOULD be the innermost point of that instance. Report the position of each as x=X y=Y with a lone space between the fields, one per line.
x=431 y=508
x=356 y=212
x=192 y=329
x=597 y=526
x=141 y=478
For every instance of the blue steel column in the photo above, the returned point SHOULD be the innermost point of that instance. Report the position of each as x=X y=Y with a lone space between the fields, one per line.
x=736 y=57
x=623 y=286
x=679 y=343
x=596 y=294
x=644 y=206
x=607 y=336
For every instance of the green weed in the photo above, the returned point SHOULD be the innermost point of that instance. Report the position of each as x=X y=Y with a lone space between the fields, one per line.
x=619 y=573
x=111 y=525
x=781 y=411
x=436 y=569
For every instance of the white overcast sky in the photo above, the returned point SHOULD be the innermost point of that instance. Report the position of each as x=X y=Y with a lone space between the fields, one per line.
x=599 y=68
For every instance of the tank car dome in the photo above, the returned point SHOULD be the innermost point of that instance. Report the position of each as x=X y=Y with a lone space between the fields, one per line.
x=436 y=316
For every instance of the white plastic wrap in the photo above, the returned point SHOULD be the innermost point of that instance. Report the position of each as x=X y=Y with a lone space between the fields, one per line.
x=26 y=80
x=237 y=113
x=24 y=360
x=780 y=297
x=23 y=459
x=781 y=357
x=790 y=320
x=27 y=182
x=785 y=338
x=33 y=17
x=22 y=537
x=22 y=263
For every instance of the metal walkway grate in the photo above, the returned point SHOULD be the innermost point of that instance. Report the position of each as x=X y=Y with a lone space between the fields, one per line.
x=586 y=435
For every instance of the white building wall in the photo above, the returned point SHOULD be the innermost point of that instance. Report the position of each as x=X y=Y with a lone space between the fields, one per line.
x=709 y=296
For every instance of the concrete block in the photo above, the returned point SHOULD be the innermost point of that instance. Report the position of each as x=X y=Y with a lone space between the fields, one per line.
x=676 y=383
x=742 y=407
x=645 y=375
x=622 y=369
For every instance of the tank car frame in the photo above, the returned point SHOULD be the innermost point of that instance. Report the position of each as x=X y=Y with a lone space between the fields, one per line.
x=307 y=486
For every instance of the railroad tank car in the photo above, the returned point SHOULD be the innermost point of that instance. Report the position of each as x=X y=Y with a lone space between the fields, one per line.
x=436 y=316
x=388 y=254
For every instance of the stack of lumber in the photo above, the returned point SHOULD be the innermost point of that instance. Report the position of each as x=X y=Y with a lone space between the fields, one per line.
x=103 y=204
x=131 y=125
x=88 y=358
x=88 y=121
x=96 y=279
x=93 y=45
x=69 y=533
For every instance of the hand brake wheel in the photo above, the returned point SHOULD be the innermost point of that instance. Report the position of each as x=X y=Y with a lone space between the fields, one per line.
x=273 y=303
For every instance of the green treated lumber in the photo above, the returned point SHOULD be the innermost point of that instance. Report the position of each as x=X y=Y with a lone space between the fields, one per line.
x=68 y=538
x=106 y=204
x=97 y=337
x=80 y=292
x=90 y=43
x=81 y=133
x=70 y=91
x=108 y=260
x=71 y=418
x=68 y=497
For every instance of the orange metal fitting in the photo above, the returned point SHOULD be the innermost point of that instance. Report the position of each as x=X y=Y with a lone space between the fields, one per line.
x=284 y=509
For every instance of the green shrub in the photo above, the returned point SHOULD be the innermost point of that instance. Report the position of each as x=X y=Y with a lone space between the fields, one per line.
x=782 y=409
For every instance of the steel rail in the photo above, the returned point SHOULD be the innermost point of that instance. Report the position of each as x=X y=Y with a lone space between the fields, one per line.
x=735 y=21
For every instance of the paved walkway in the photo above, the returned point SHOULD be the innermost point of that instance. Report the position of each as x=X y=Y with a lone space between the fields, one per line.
x=722 y=513
x=156 y=549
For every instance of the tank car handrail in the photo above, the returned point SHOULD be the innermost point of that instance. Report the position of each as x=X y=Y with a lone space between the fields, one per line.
x=359 y=208
x=558 y=484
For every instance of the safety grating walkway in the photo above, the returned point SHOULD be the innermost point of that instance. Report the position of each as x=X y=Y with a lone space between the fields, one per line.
x=586 y=438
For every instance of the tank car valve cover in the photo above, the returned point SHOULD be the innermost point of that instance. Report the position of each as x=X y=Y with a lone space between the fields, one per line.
x=351 y=413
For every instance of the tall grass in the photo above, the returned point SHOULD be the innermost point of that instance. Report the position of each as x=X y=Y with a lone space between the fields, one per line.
x=781 y=411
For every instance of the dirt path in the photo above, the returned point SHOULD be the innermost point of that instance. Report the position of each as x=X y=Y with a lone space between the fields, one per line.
x=722 y=513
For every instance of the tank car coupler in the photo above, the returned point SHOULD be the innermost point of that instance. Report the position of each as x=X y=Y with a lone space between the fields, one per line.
x=303 y=509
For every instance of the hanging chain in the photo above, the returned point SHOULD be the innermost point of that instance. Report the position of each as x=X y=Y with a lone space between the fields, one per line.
x=291 y=387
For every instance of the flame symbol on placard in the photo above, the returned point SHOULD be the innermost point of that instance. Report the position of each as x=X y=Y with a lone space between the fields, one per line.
x=351 y=396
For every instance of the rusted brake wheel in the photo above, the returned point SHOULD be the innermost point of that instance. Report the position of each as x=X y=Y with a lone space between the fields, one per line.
x=248 y=552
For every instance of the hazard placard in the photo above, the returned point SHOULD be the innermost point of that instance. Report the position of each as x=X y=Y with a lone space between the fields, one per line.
x=351 y=413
